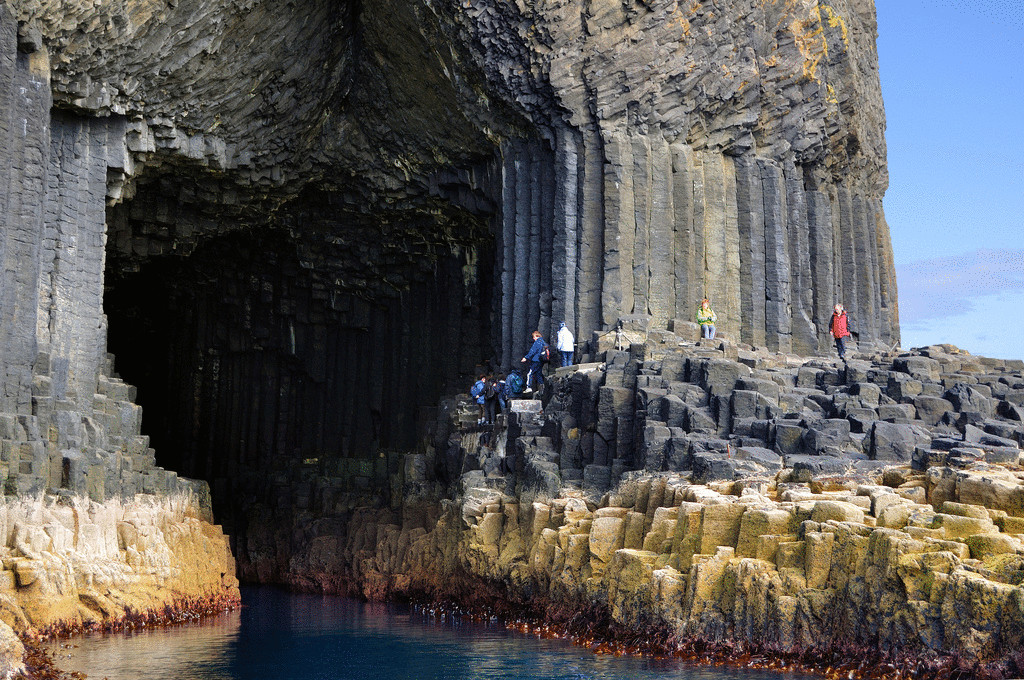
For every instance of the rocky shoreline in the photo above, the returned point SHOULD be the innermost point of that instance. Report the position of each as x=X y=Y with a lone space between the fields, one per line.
x=744 y=502
x=72 y=565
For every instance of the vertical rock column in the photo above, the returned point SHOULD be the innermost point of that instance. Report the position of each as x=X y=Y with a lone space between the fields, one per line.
x=778 y=317
x=24 y=140
x=823 y=285
x=750 y=219
x=566 y=229
x=619 y=228
x=804 y=332
x=71 y=317
x=589 y=268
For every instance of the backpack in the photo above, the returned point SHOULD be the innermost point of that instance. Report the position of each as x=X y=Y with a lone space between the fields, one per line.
x=477 y=389
x=491 y=391
x=514 y=384
x=545 y=354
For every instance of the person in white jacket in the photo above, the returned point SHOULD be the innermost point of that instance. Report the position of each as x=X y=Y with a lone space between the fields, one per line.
x=566 y=344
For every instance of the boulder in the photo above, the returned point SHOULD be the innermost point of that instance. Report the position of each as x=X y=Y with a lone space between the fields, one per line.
x=965 y=398
x=709 y=466
x=932 y=409
x=921 y=368
x=827 y=433
x=763 y=457
x=895 y=442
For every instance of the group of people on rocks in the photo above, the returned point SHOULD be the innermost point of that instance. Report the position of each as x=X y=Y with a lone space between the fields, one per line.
x=492 y=392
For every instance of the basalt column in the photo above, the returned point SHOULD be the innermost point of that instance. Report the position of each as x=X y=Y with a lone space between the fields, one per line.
x=65 y=421
x=666 y=225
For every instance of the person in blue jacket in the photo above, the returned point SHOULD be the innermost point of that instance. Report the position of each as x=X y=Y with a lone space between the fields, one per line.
x=535 y=357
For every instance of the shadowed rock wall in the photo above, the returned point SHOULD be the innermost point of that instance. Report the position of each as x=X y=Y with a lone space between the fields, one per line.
x=310 y=221
x=94 y=531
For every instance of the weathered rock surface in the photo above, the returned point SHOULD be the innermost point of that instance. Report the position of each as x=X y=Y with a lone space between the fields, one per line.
x=860 y=527
x=70 y=561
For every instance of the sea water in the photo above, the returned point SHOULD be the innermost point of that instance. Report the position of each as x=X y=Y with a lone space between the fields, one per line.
x=278 y=635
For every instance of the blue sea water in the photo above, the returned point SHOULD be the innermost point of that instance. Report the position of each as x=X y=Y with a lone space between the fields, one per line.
x=278 y=635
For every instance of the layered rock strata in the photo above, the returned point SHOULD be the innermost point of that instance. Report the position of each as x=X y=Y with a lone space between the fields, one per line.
x=715 y=492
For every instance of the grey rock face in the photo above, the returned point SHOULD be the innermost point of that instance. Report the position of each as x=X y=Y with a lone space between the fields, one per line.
x=302 y=220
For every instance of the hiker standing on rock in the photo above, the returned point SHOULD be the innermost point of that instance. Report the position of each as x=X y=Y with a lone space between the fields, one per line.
x=706 y=317
x=477 y=392
x=536 y=357
x=566 y=344
x=839 y=326
x=490 y=400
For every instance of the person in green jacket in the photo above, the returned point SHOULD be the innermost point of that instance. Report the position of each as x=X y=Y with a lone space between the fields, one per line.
x=706 y=317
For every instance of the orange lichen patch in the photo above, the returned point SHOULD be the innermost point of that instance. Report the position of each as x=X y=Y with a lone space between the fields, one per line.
x=680 y=22
x=830 y=95
x=809 y=36
x=181 y=610
x=835 y=21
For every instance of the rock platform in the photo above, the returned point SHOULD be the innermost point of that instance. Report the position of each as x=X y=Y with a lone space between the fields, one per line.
x=724 y=493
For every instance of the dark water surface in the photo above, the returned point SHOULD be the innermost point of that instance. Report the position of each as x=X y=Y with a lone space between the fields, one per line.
x=285 y=636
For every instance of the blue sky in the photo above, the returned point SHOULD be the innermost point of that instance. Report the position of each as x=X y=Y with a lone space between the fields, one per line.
x=953 y=81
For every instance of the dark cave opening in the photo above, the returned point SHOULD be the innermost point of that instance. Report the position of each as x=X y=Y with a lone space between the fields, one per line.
x=268 y=359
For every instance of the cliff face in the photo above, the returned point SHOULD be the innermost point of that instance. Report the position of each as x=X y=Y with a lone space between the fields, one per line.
x=297 y=226
x=415 y=186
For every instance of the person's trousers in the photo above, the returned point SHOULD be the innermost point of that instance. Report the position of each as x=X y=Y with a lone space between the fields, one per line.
x=708 y=330
x=536 y=375
x=489 y=407
x=841 y=347
x=566 y=358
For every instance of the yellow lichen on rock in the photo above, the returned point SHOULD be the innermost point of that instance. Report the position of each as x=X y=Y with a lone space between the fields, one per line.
x=814 y=567
x=70 y=561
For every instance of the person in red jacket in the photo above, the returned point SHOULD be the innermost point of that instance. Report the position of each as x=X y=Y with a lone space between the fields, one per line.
x=839 y=326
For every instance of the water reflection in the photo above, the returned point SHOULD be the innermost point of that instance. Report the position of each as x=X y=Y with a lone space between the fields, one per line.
x=284 y=636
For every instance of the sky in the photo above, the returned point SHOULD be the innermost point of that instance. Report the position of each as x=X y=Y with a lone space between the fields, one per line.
x=952 y=76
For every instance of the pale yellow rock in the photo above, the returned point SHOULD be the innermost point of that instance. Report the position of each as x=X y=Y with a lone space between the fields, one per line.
x=818 y=558
x=768 y=545
x=489 y=528
x=663 y=527
x=837 y=511
x=987 y=545
x=758 y=522
x=894 y=516
x=965 y=510
x=1013 y=525
x=719 y=526
x=606 y=536
x=790 y=555
x=997 y=489
x=633 y=537
x=12 y=653
x=958 y=526
x=610 y=512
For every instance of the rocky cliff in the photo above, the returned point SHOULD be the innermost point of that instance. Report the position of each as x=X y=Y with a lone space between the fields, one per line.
x=294 y=227
x=265 y=201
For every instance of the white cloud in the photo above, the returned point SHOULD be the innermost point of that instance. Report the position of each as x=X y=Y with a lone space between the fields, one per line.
x=946 y=286
x=974 y=301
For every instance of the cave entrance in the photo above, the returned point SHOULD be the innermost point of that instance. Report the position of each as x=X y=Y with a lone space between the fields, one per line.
x=289 y=367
